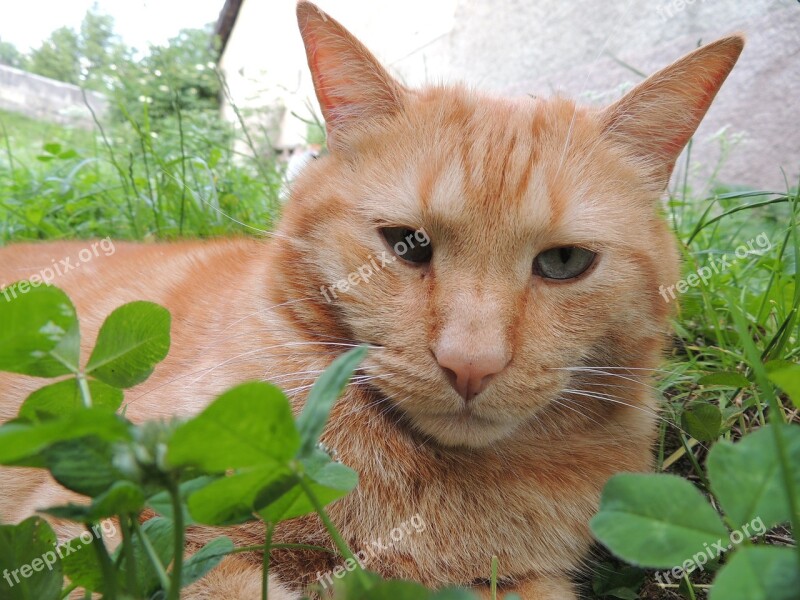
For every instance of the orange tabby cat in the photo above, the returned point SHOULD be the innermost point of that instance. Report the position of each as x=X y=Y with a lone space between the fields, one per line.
x=503 y=259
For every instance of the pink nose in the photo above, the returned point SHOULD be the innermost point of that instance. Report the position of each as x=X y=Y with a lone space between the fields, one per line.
x=470 y=374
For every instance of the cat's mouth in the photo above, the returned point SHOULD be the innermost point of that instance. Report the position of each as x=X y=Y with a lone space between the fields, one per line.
x=463 y=427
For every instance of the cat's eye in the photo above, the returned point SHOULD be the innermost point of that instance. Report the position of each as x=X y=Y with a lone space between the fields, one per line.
x=566 y=262
x=412 y=245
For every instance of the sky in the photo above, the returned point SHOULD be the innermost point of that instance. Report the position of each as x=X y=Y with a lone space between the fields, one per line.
x=25 y=23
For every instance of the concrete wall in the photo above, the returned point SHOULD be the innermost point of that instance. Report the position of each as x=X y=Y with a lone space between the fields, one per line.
x=46 y=99
x=546 y=46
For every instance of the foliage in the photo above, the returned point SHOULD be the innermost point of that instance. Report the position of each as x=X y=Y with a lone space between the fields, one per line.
x=9 y=55
x=131 y=182
x=243 y=458
x=179 y=76
x=731 y=391
x=59 y=57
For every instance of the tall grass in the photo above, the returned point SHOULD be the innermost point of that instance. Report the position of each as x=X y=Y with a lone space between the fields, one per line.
x=131 y=180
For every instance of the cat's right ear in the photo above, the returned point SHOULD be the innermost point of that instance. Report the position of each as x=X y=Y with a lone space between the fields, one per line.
x=351 y=85
x=655 y=120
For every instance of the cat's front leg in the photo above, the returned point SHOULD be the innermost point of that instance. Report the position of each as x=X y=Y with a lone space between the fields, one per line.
x=544 y=588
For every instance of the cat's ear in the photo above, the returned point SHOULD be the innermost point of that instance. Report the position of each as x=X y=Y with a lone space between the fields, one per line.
x=352 y=87
x=656 y=119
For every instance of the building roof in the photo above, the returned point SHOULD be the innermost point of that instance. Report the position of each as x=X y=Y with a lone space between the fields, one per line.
x=226 y=21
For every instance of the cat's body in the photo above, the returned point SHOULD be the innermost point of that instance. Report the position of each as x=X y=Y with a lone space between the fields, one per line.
x=508 y=460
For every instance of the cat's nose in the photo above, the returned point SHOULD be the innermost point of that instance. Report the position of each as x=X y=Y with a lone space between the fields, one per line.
x=469 y=374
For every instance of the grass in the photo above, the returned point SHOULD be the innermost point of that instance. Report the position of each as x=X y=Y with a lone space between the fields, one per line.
x=187 y=179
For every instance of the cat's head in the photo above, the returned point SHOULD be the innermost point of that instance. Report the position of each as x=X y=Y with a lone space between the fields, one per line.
x=486 y=244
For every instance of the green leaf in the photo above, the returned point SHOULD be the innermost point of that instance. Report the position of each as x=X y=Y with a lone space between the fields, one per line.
x=28 y=549
x=622 y=582
x=229 y=500
x=329 y=481
x=759 y=573
x=462 y=594
x=19 y=441
x=39 y=334
x=121 y=498
x=730 y=379
x=81 y=565
x=160 y=533
x=323 y=395
x=702 y=421
x=397 y=590
x=746 y=477
x=162 y=501
x=63 y=397
x=274 y=493
x=656 y=521
x=84 y=465
x=248 y=426
x=52 y=148
x=786 y=377
x=133 y=339
x=205 y=559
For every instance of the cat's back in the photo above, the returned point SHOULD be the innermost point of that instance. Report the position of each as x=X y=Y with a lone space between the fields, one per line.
x=107 y=270
x=208 y=286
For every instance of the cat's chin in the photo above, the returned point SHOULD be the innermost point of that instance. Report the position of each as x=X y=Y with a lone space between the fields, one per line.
x=463 y=430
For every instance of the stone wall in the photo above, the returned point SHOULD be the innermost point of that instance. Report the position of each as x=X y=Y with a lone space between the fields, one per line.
x=47 y=99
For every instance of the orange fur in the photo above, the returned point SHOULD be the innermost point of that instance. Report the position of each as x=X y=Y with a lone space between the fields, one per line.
x=493 y=182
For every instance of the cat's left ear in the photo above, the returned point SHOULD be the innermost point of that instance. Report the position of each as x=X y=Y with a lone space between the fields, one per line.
x=656 y=119
x=352 y=87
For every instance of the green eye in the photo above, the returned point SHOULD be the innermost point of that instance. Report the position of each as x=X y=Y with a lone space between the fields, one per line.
x=412 y=245
x=562 y=263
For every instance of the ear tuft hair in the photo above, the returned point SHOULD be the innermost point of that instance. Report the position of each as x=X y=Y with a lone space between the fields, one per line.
x=656 y=119
x=350 y=83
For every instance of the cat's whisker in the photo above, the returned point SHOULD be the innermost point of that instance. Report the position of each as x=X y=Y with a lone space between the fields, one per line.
x=600 y=372
x=263 y=310
x=561 y=402
x=611 y=368
x=282 y=345
x=617 y=400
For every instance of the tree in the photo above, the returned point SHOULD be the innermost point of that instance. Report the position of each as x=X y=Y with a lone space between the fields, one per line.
x=101 y=50
x=180 y=74
x=9 y=55
x=59 y=57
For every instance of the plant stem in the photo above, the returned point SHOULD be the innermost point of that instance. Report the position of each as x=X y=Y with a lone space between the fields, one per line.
x=177 y=566
x=130 y=559
x=161 y=573
x=109 y=576
x=341 y=545
x=493 y=588
x=83 y=386
x=265 y=561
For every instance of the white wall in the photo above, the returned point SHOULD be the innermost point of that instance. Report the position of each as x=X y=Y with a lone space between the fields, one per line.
x=543 y=46
x=47 y=99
